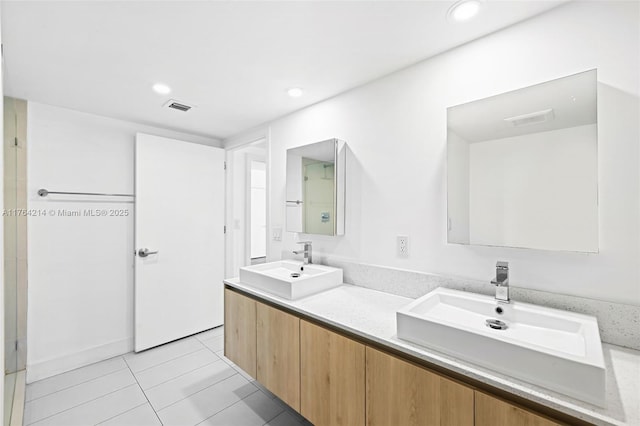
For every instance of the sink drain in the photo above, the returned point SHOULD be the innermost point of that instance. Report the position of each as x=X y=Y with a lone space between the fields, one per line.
x=496 y=324
x=295 y=275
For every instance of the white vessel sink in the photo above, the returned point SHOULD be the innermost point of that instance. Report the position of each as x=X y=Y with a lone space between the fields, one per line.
x=555 y=349
x=279 y=278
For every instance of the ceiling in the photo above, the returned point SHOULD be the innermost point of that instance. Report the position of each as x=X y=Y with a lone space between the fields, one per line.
x=233 y=60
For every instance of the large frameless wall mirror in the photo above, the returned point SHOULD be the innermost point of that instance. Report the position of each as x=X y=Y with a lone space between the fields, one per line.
x=315 y=192
x=522 y=168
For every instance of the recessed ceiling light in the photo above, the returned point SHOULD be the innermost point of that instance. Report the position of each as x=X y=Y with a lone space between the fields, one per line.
x=163 y=89
x=464 y=10
x=295 y=92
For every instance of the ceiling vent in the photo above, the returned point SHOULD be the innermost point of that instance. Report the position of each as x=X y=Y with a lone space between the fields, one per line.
x=531 y=118
x=180 y=106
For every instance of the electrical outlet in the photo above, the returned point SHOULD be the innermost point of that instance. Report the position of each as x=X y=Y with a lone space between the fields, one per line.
x=403 y=246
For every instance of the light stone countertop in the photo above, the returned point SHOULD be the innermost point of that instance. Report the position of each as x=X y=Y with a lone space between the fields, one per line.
x=371 y=314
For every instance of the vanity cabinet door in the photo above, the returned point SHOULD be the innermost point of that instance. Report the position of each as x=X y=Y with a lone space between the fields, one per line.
x=401 y=393
x=240 y=331
x=332 y=387
x=491 y=411
x=278 y=338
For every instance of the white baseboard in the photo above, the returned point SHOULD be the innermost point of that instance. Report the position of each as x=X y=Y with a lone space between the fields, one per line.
x=47 y=368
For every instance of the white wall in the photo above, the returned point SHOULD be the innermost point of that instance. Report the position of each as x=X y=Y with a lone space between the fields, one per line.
x=396 y=130
x=538 y=190
x=80 y=268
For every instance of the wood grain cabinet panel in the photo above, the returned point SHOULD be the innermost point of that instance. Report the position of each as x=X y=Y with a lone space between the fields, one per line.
x=332 y=388
x=240 y=331
x=492 y=411
x=335 y=381
x=401 y=393
x=278 y=353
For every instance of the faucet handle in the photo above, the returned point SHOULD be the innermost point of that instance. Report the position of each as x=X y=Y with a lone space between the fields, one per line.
x=502 y=274
x=502 y=265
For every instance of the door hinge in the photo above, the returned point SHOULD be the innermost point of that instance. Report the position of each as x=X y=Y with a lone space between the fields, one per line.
x=16 y=345
x=15 y=141
x=225 y=165
x=225 y=229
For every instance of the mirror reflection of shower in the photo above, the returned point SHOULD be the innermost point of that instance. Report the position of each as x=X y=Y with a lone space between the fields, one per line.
x=315 y=189
x=328 y=166
x=318 y=195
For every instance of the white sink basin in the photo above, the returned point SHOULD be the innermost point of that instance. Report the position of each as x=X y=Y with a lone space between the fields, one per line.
x=279 y=278
x=555 y=349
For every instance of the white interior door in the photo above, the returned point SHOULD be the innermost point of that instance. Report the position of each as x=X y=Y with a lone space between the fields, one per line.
x=179 y=221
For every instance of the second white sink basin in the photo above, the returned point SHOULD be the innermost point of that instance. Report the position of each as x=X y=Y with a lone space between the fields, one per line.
x=555 y=349
x=290 y=279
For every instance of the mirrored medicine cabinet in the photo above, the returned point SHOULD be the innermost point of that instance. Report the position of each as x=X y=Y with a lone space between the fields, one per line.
x=315 y=188
x=522 y=168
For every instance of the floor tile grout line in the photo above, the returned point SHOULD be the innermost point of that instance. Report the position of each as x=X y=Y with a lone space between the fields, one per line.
x=203 y=389
x=180 y=375
x=209 y=338
x=127 y=366
x=283 y=409
x=228 y=406
x=220 y=411
x=164 y=362
x=79 y=405
x=76 y=384
x=214 y=352
x=219 y=327
x=281 y=413
x=211 y=349
x=238 y=402
x=190 y=395
x=239 y=371
x=235 y=367
x=143 y=393
x=124 y=412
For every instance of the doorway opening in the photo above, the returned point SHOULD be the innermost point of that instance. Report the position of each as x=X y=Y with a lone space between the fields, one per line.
x=257 y=210
x=247 y=206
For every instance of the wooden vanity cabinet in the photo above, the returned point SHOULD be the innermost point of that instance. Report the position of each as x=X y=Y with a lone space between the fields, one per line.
x=240 y=331
x=334 y=380
x=492 y=411
x=332 y=377
x=402 y=393
x=278 y=353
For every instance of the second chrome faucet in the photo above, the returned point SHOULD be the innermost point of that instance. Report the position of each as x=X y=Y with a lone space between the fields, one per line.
x=502 y=282
x=306 y=252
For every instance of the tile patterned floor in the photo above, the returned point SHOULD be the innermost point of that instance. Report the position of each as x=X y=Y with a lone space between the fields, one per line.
x=183 y=383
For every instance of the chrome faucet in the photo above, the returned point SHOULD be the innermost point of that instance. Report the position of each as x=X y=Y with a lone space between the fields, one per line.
x=502 y=282
x=306 y=252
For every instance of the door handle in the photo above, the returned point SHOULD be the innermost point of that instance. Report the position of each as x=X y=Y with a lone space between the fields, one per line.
x=144 y=252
